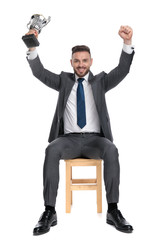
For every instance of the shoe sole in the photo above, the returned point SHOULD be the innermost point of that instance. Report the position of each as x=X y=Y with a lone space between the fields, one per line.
x=41 y=233
x=54 y=223
x=121 y=230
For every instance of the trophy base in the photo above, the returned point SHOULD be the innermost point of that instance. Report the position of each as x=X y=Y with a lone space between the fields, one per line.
x=30 y=41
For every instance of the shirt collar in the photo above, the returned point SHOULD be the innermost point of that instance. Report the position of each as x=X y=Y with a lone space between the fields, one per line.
x=85 y=77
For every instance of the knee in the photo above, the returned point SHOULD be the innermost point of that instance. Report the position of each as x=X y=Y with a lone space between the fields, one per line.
x=111 y=151
x=52 y=148
x=49 y=148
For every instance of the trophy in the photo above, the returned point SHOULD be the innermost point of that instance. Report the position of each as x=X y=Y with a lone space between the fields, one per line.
x=36 y=22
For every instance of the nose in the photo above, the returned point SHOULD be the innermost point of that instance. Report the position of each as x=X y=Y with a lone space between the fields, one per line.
x=80 y=64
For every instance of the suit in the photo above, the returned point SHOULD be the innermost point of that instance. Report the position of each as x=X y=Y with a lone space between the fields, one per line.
x=89 y=146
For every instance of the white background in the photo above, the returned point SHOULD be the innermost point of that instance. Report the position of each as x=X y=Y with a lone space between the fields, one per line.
x=27 y=108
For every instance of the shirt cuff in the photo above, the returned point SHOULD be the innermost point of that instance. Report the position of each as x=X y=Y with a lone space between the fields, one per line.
x=32 y=54
x=128 y=48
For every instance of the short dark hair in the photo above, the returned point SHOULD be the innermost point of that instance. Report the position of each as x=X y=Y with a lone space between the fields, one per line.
x=80 y=48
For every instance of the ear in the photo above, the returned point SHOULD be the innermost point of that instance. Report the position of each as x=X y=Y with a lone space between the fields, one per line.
x=91 y=61
x=71 y=62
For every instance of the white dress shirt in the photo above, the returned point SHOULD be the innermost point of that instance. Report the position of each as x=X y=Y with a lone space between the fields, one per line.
x=70 y=113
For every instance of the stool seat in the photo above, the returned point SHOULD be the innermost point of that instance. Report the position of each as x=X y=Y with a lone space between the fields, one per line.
x=83 y=184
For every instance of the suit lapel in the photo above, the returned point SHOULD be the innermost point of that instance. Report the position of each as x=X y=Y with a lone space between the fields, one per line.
x=96 y=89
x=91 y=77
x=91 y=80
x=69 y=82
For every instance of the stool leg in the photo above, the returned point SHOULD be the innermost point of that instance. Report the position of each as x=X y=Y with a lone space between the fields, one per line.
x=68 y=187
x=71 y=191
x=99 y=187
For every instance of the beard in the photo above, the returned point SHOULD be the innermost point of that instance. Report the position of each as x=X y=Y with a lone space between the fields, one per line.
x=81 y=72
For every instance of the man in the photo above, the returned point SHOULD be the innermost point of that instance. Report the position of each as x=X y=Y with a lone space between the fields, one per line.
x=81 y=125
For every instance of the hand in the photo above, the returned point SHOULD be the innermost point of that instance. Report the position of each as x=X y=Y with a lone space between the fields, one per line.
x=126 y=33
x=32 y=31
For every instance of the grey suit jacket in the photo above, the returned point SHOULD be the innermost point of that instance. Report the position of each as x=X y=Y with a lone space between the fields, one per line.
x=100 y=83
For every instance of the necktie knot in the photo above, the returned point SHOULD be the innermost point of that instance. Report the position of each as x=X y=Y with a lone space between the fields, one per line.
x=80 y=80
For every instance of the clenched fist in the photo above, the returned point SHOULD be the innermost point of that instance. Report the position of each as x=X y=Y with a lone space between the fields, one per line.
x=33 y=31
x=126 y=33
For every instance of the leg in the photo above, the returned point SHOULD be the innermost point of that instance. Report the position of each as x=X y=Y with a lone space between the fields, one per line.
x=100 y=147
x=71 y=191
x=68 y=187
x=61 y=148
x=99 y=187
x=111 y=174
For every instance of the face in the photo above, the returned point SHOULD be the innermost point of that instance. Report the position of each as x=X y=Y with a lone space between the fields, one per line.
x=81 y=63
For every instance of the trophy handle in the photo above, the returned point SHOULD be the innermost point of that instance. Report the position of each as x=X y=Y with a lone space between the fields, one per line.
x=46 y=21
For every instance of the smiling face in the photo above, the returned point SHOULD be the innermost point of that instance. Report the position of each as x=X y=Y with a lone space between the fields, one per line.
x=81 y=63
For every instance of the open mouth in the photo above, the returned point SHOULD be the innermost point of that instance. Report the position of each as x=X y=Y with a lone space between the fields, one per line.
x=81 y=70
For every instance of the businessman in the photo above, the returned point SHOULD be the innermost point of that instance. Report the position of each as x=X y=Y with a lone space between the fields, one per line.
x=81 y=125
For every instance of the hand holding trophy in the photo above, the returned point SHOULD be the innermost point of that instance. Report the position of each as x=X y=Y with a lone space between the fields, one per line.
x=37 y=22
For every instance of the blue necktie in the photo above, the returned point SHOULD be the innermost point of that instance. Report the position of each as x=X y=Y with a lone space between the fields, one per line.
x=81 y=111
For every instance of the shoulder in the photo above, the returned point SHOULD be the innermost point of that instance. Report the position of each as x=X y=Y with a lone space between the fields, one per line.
x=98 y=77
x=101 y=75
x=67 y=74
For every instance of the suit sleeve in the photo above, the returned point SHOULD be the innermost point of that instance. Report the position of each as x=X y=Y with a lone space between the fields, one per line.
x=50 y=79
x=113 y=78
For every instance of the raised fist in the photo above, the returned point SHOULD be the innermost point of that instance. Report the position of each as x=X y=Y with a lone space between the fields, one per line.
x=33 y=31
x=126 y=33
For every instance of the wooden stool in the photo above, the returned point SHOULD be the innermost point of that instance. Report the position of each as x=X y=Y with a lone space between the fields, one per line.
x=81 y=184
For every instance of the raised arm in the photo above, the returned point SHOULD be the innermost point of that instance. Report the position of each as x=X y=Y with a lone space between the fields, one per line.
x=50 y=79
x=113 y=78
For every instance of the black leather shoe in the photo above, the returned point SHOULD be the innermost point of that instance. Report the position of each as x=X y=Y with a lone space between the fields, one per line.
x=115 y=218
x=47 y=220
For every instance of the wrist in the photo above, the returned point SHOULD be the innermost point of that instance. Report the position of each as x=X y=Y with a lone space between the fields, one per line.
x=31 y=49
x=128 y=42
x=32 y=54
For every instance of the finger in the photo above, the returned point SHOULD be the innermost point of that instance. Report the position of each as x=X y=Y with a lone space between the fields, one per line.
x=30 y=32
x=121 y=29
x=127 y=30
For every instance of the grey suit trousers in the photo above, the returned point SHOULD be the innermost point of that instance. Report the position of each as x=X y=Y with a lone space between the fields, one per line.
x=70 y=146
